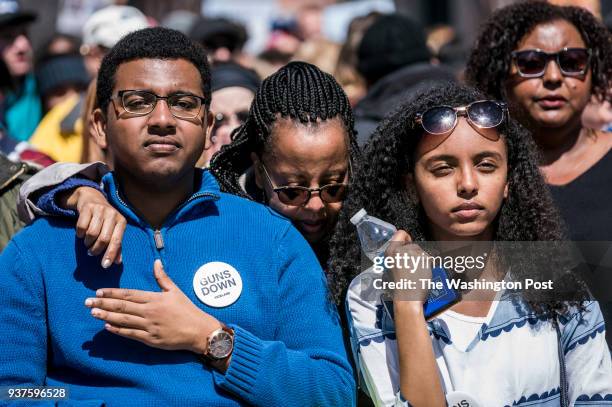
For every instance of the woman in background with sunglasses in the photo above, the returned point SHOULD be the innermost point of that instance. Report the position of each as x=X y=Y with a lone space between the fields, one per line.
x=451 y=166
x=546 y=62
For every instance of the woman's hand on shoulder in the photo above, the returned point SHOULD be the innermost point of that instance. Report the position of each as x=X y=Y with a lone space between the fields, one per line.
x=99 y=224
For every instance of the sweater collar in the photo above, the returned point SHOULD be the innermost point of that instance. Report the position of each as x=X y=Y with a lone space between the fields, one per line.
x=206 y=189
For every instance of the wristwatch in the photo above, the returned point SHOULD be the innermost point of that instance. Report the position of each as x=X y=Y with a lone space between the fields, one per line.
x=220 y=344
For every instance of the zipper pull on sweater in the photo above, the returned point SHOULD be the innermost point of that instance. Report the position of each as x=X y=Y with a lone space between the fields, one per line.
x=159 y=240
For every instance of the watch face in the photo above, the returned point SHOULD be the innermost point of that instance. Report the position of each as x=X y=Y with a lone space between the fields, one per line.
x=220 y=345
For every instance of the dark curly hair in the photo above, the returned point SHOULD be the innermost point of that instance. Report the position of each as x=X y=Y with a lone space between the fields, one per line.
x=489 y=64
x=150 y=43
x=528 y=213
x=299 y=91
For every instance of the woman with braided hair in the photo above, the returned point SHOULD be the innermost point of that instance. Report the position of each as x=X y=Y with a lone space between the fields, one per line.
x=295 y=150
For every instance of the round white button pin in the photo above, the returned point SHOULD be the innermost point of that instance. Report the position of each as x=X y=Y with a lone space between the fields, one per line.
x=217 y=284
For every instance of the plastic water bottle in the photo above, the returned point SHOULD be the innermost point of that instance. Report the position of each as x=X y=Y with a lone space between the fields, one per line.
x=374 y=234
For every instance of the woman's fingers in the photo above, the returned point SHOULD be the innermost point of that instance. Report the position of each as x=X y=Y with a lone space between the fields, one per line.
x=399 y=239
x=102 y=228
x=406 y=261
x=113 y=252
x=95 y=225
x=99 y=224
x=83 y=223
x=401 y=236
x=103 y=238
x=110 y=237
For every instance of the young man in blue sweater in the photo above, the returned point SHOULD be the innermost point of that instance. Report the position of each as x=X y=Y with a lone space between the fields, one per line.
x=218 y=300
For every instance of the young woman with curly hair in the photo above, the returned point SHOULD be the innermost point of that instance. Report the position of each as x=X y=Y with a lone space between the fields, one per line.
x=452 y=166
x=547 y=62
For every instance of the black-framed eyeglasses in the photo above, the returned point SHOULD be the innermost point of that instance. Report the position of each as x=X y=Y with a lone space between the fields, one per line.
x=484 y=114
x=299 y=195
x=532 y=63
x=142 y=102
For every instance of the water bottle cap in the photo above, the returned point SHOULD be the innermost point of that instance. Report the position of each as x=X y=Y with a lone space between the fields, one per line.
x=358 y=216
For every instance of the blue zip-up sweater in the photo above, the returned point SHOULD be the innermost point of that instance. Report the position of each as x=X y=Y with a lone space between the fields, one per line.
x=288 y=343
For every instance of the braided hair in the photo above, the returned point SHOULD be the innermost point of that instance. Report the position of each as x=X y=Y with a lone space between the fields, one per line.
x=298 y=91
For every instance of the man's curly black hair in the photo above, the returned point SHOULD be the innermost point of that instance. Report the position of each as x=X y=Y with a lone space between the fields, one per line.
x=528 y=213
x=150 y=43
x=489 y=64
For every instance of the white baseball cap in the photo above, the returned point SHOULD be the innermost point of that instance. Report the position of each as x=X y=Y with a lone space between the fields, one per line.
x=107 y=26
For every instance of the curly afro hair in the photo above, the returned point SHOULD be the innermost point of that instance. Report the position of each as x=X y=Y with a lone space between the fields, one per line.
x=150 y=43
x=489 y=64
x=528 y=213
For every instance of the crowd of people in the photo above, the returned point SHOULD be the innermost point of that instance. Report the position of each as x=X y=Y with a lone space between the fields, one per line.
x=193 y=243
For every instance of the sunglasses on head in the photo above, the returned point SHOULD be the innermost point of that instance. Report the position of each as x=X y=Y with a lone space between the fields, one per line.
x=484 y=114
x=298 y=195
x=439 y=121
x=531 y=63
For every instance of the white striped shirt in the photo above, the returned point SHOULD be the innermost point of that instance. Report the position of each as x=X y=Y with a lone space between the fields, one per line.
x=511 y=360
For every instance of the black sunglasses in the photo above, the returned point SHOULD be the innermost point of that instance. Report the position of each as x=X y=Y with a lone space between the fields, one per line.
x=531 y=63
x=484 y=114
x=298 y=195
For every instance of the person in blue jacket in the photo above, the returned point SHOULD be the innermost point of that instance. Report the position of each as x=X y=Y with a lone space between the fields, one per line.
x=236 y=309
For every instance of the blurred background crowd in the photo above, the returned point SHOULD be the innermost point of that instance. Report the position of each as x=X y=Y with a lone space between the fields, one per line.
x=378 y=50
